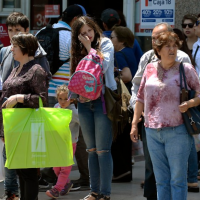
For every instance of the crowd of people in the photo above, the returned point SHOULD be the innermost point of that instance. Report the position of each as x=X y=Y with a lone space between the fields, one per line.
x=172 y=155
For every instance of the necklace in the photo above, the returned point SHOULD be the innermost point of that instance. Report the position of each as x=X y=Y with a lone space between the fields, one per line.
x=161 y=71
x=18 y=71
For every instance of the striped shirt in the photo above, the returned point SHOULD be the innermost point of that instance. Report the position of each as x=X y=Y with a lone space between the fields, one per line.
x=63 y=74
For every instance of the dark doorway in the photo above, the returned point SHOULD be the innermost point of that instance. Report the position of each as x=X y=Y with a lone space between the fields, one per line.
x=95 y=8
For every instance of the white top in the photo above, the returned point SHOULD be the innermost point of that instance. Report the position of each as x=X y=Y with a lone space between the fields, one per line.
x=107 y=50
x=197 y=58
x=181 y=57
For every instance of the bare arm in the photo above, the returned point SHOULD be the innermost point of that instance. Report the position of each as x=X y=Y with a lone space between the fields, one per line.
x=184 y=106
x=139 y=107
x=126 y=75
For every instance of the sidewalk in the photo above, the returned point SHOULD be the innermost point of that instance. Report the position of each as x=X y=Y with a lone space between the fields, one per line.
x=120 y=191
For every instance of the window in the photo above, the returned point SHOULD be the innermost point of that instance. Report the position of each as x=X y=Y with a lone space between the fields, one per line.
x=11 y=3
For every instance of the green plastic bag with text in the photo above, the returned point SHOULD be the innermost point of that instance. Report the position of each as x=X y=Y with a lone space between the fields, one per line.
x=37 y=138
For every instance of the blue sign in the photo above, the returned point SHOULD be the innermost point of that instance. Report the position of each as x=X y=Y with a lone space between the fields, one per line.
x=153 y=12
x=158 y=13
x=148 y=20
x=167 y=20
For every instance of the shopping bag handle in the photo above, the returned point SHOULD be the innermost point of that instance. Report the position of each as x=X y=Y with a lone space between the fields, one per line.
x=40 y=102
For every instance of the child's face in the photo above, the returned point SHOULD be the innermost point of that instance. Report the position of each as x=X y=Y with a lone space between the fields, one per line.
x=62 y=100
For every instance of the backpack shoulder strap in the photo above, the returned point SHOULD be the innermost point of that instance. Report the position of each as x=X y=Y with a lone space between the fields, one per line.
x=63 y=29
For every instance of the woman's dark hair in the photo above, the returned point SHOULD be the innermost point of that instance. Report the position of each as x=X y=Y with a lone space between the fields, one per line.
x=27 y=43
x=192 y=17
x=17 y=18
x=124 y=35
x=122 y=18
x=184 y=46
x=165 y=38
x=77 y=48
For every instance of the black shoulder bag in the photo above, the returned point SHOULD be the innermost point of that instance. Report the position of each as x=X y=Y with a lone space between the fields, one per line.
x=191 y=117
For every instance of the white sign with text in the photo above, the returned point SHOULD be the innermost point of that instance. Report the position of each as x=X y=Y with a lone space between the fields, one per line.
x=156 y=11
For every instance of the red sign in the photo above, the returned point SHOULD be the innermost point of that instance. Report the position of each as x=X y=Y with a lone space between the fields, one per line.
x=52 y=11
x=4 y=35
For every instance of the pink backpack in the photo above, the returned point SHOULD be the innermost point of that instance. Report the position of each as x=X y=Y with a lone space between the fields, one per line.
x=87 y=80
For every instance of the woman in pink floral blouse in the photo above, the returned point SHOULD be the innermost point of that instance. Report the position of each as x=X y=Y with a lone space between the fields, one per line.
x=168 y=142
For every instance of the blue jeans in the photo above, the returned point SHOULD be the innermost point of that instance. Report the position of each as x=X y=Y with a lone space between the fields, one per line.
x=97 y=133
x=193 y=165
x=10 y=182
x=169 y=149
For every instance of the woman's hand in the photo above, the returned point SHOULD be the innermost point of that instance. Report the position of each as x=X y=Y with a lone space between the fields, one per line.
x=85 y=41
x=184 y=107
x=83 y=99
x=13 y=100
x=134 y=133
x=10 y=102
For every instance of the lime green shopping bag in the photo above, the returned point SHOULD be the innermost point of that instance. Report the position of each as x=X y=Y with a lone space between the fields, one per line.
x=36 y=138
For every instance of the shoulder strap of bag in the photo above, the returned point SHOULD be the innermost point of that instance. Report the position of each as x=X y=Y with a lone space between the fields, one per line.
x=124 y=55
x=196 y=53
x=63 y=29
x=182 y=75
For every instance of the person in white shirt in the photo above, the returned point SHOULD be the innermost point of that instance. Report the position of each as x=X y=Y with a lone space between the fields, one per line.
x=196 y=57
x=196 y=49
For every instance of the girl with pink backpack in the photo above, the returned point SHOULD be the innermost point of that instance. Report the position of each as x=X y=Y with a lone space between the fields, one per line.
x=90 y=48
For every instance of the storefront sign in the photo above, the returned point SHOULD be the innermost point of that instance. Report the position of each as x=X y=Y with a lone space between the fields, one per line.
x=138 y=30
x=52 y=11
x=156 y=11
x=4 y=35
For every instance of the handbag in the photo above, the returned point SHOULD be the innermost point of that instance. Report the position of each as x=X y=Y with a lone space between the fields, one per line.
x=37 y=138
x=117 y=107
x=191 y=117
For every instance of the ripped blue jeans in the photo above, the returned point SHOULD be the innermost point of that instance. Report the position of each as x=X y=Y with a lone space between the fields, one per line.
x=97 y=133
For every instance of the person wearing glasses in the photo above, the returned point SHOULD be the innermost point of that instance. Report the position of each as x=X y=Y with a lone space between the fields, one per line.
x=188 y=22
x=196 y=56
x=126 y=66
x=192 y=161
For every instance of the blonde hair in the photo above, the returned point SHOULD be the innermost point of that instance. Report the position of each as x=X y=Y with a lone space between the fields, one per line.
x=60 y=89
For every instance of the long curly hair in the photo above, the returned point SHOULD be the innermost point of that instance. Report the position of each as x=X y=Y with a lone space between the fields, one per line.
x=77 y=48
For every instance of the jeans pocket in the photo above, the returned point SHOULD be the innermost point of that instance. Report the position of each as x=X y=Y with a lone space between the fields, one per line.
x=181 y=130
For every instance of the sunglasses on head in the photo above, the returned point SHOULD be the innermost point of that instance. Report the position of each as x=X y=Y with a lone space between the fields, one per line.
x=190 y=25
x=197 y=23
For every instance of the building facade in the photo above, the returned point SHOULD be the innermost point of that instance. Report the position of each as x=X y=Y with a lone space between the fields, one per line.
x=37 y=12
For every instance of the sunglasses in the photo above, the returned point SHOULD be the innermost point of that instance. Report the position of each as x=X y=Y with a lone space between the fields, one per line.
x=197 y=23
x=190 y=25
